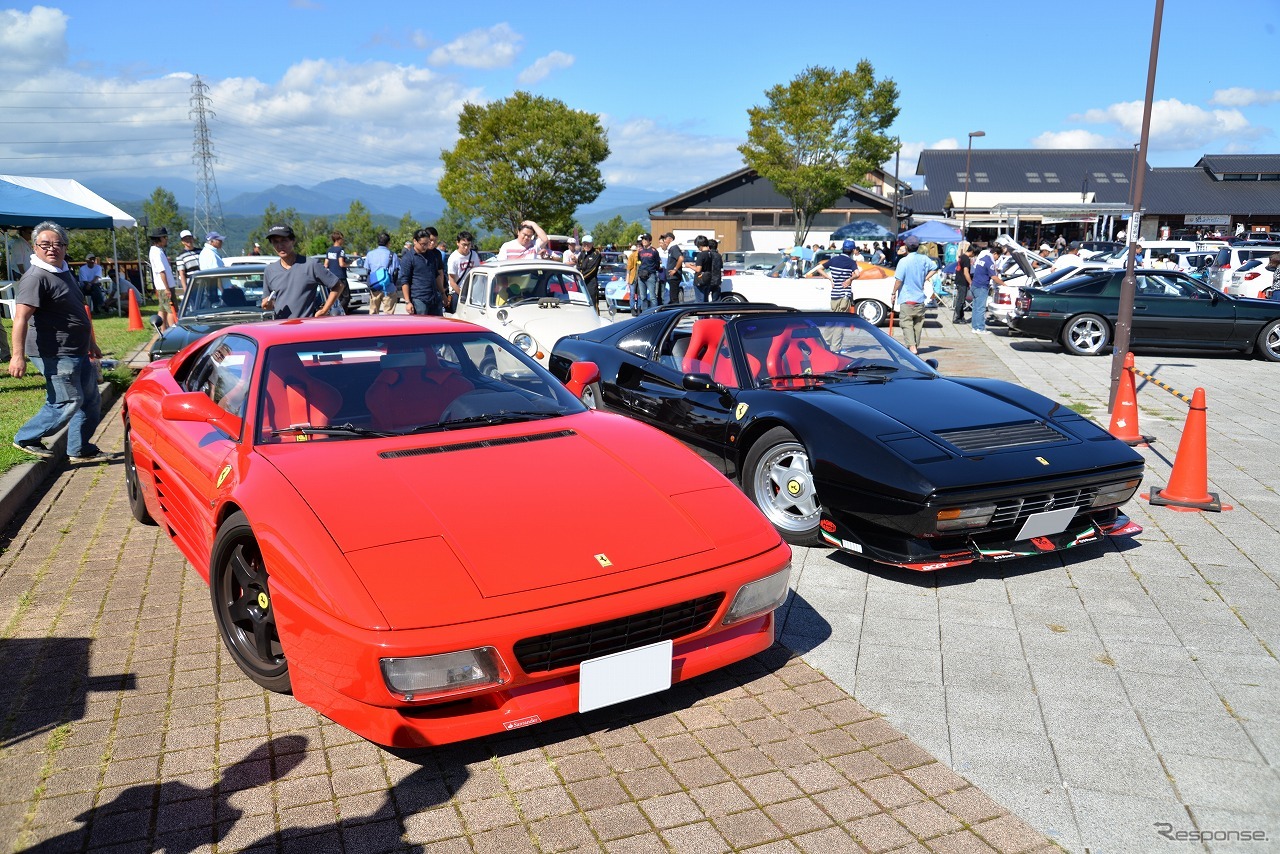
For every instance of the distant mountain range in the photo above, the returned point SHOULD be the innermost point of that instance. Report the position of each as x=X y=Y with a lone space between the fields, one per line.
x=334 y=197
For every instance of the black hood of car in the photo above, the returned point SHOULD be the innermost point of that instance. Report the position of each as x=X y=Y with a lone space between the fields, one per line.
x=191 y=329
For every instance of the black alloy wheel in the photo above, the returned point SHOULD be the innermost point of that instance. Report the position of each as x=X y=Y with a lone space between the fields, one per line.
x=241 y=592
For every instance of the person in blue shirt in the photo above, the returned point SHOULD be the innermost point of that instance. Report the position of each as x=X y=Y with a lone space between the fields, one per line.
x=908 y=290
x=984 y=273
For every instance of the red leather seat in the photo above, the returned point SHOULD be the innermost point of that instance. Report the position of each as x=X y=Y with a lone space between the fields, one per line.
x=703 y=343
x=407 y=396
x=799 y=351
x=294 y=397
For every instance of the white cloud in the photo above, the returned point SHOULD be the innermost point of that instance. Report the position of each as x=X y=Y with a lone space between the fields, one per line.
x=30 y=42
x=495 y=47
x=1076 y=138
x=1238 y=96
x=648 y=155
x=909 y=156
x=1174 y=125
x=543 y=66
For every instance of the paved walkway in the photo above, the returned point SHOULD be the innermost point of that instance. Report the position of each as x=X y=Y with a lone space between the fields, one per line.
x=1096 y=694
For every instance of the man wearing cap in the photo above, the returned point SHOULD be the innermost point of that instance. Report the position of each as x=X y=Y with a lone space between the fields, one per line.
x=908 y=290
x=570 y=254
x=674 y=265
x=648 y=260
x=589 y=267
x=297 y=285
x=162 y=277
x=1070 y=258
x=531 y=242
x=335 y=258
x=90 y=273
x=211 y=254
x=841 y=270
x=984 y=274
x=188 y=260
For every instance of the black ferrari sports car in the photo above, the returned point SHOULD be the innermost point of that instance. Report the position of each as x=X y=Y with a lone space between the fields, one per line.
x=841 y=436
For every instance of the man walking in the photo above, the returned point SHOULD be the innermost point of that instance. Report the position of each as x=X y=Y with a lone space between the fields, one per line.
x=964 y=279
x=383 y=268
x=984 y=273
x=335 y=259
x=162 y=277
x=211 y=254
x=908 y=289
x=297 y=284
x=422 y=275
x=648 y=260
x=51 y=327
x=589 y=266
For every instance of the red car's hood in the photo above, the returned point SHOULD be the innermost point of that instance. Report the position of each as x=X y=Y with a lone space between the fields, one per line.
x=522 y=507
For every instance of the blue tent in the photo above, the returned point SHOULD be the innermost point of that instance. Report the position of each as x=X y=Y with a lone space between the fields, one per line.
x=22 y=206
x=933 y=232
x=862 y=229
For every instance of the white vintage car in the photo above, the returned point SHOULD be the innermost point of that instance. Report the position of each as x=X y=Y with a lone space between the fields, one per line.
x=785 y=285
x=531 y=303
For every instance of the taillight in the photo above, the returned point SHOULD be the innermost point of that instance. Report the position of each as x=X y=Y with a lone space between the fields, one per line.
x=1023 y=303
x=730 y=272
x=1249 y=277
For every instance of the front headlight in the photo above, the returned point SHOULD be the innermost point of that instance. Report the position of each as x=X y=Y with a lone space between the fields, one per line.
x=431 y=676
x=961 y=518
x=524 y=341
x=1115 y=494
x=759 y=597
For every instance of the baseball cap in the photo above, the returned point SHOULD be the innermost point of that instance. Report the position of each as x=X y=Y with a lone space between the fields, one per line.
x=1075 y=244
x=91 y=257
x=912 y=242
x=847 y=245
x=573 y=241
x=213 y=235
x=645 y=236
x=184 y=234
x=281 y=231
x=586 y=238
x=1046 y=247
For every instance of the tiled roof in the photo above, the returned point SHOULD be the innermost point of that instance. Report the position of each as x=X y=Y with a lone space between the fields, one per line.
x=1103 y=172
x=1191 y=190
x=1220 y=164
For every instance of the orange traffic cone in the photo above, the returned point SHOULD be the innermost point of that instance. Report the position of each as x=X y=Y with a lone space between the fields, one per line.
x=135 y=316
x=1124 y=415
x=1188 y=487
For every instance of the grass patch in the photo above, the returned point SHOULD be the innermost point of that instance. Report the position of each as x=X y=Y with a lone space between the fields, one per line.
x=1056 y=628
x=20 y=398
x=1081 y=408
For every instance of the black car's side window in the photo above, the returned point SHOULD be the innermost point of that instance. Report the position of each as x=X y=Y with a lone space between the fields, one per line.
x=640 y=342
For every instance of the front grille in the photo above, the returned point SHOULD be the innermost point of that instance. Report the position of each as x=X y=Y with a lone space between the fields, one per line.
x=574 y=646
x=1001 y=436
x=1016 y=510
x=471 y=446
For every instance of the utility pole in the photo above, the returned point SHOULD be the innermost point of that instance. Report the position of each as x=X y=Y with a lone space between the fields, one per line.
x=208 y=209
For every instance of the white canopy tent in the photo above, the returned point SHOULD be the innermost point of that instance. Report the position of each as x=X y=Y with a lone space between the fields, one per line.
x=73 y=191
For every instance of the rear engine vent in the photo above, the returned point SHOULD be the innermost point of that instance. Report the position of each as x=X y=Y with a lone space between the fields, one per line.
x=470 y=446
x=571 y=647
x=1001 y=436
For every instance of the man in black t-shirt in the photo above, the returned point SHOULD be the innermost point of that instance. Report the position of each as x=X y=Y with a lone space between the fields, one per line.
x=702 y=269
x=648 y=260
x=589 y=266
x=964 y=278
x=717 y=269
x=336 y=260
x=674 y=265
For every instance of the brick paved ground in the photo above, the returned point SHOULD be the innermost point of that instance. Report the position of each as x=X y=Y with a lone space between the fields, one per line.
x=126 y=728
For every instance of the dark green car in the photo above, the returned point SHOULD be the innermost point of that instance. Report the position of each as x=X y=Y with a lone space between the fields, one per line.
x=1170 y=309
x=214 y=299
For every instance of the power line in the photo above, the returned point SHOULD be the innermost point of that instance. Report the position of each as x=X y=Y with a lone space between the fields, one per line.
x=208 y=212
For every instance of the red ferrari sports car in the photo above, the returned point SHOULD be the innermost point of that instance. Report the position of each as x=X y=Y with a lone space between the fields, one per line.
x=401 y=520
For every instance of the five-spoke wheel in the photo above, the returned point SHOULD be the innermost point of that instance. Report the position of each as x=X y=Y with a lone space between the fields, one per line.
x=242 y=604
x=777 y=478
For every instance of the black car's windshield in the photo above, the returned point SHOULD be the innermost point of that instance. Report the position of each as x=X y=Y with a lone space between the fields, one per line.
x=224 y=293
x=402 y=385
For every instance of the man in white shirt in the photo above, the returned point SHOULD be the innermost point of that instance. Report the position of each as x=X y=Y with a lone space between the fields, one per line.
x=531 y=242
x=90 y=273
x=162 y=277
x=211 y=254
x=570 y=255
x=1070 y=258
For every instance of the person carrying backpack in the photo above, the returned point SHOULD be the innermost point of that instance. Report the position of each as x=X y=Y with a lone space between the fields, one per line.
x=383 y=266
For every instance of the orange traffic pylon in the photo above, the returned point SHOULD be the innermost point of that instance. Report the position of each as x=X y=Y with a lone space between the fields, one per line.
x=1124 y=414
x=135 y=316
x=1188 y=487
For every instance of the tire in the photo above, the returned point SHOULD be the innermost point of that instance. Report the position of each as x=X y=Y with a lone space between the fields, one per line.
x=1086 y=335
x=871 y=310
x=591 y=397
x=1269 y=342
x=137 y=504
x=732 y=297
x=777 y=479
x=242 y=607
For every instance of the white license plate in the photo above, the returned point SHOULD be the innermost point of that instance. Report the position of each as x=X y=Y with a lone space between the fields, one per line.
x=624 y=676
x=1048 y=522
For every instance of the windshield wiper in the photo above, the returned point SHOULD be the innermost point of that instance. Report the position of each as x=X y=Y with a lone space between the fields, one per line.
x=331 y=430
x=505 y=416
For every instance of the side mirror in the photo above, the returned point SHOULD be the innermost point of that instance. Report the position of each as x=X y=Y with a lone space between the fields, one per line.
x=933 y=363
x=197 y=407
x=581 y=375
x=702 y=382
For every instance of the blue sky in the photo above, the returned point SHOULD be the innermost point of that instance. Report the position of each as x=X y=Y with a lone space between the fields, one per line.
x=308 y=90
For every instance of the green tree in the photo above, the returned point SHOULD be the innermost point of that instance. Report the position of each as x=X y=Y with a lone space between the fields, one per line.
x=161 y=211
x=272 y=216
x=821 y=134
x=357 y=227
x=524 y=157
x=450 y=223
x=616 y=231
x=404 y=232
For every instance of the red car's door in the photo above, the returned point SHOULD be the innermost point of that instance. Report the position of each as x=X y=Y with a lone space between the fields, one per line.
x=193 y=454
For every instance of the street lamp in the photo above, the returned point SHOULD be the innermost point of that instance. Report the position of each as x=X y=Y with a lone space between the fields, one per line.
x=964 y=216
